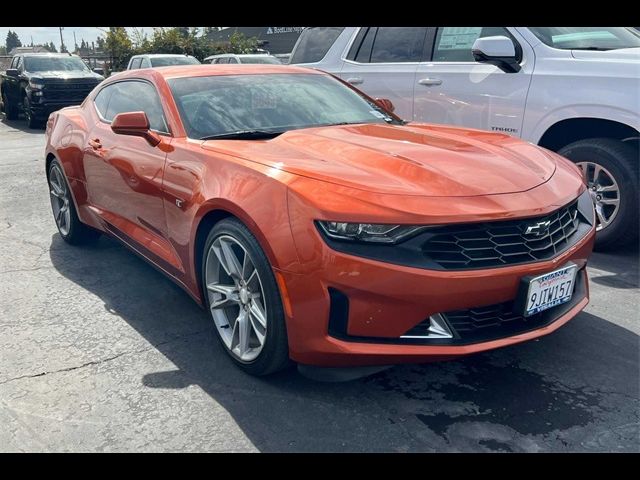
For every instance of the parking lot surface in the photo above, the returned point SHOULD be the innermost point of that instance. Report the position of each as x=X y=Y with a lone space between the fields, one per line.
x=100 y=352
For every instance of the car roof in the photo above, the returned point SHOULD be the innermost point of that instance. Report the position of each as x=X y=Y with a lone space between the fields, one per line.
x=46 y=54
x=161 y=55
x=206 y=70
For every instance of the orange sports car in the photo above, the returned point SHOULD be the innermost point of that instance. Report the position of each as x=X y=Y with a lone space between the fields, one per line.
x=316 y=226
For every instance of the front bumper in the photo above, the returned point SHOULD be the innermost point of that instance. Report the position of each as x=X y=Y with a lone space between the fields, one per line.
x=386 y=301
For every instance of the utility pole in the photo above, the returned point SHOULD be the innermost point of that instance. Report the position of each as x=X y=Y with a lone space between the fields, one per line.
x=61 y=39
x=75 y=43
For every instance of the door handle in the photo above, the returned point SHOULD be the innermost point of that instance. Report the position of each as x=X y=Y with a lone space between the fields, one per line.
x=95 y=144
x=429 y=82
x=355 y=80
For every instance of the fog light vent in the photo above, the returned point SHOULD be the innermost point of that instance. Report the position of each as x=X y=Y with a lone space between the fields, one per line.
x=434 y=327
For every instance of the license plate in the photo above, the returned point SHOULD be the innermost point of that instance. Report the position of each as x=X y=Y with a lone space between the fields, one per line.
x=551 y=289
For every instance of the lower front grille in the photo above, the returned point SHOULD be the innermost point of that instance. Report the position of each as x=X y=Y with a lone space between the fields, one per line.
x=501 y=320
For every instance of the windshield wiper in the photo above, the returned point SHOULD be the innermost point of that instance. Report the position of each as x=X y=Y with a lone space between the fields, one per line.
x=244 y=135
x=599 y=49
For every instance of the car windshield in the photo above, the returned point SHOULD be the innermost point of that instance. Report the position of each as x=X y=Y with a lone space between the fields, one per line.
x=587 y=38
x=226 y=104
x=47 y=64
x=260 y=59
x=168 y=61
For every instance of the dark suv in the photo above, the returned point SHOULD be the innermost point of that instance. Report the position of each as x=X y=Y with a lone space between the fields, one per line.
x=37 y=84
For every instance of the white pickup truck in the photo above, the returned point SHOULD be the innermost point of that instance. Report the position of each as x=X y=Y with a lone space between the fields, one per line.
x=574 y=90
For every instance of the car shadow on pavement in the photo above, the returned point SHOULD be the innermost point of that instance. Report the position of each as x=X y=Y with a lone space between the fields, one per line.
x=622 y=265
x=21 y=125
x=574 y=390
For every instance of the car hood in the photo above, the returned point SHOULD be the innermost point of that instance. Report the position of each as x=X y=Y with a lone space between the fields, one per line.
x=66 y=74
x=414 y=159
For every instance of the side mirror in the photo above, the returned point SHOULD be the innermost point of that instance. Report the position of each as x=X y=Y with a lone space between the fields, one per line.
x=135 y=124
x=386 y=104
x=99 y=70
x=12 y=72
x=499 y=51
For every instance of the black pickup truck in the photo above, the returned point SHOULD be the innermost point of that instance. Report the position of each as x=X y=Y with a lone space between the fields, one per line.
x=37 y=84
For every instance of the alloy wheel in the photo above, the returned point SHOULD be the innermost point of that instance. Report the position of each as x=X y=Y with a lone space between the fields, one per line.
x=604 y=191
x=236 y=298
x=60 y=200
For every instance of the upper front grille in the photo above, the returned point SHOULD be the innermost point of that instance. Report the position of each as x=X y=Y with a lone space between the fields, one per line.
x=67 y=91
x=495 y=244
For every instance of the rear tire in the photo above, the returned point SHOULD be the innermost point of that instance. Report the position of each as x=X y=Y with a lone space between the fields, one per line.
x=71 y=229
x=238 y=286
x=620 y=162
x=10 y=111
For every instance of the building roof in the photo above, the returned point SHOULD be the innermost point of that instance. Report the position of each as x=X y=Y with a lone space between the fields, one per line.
x=273 y=39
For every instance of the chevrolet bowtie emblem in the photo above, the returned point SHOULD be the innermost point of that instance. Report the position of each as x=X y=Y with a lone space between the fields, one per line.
x=538 y=229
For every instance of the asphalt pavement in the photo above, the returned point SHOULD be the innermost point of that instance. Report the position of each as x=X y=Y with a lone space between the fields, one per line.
x=100 y=352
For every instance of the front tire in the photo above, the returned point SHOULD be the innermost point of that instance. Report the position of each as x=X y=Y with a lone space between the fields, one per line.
x=610 y=168
x=243 y=299
x=71 y=229
x=32 y=121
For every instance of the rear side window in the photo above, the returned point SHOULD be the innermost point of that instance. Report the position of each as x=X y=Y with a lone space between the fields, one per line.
x=135 y=63
x=145 y=63
x=135 y=96
x=388 y=45
x=314 y=43
x=453 y=44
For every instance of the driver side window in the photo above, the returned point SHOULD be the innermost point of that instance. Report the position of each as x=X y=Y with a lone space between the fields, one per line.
x=135 y=96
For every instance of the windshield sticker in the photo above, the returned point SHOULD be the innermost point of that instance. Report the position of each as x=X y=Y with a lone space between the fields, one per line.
x=458 y=38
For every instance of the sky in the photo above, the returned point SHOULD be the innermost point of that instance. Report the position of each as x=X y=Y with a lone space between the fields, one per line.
x=52 y=34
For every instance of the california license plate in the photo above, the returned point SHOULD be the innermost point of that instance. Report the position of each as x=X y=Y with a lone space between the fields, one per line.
x=551 y=289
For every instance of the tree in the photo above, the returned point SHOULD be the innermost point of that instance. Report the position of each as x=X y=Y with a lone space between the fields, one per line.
x=119 y=46
x=100 y=43
x=3 y=50
x=12 y=41
x=52 y=48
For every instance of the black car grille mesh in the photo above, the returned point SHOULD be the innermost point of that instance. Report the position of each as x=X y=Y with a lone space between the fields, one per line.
x=495 y=244
x=68 y=91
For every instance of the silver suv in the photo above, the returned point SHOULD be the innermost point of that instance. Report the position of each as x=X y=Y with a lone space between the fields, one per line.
x=574 y=90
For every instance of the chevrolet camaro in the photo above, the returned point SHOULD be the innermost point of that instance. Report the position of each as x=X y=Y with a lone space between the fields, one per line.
x=317 y=227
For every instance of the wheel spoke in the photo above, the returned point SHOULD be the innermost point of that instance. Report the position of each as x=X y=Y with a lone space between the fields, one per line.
x=229 y=295
x=610 y=201
x=603 y=220
x=596 y=172
x=228 y=259
x=257 y=312
x=241 y=331
x=247 y=267
x=607 y=188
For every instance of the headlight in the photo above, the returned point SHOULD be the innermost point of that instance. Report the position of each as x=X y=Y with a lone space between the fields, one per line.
x=35 y=85
x=367 y=232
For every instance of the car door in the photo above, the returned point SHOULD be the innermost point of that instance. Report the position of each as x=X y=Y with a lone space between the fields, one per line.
x=124 y=173
x=382 y=62
x=13 y=92
x=452 y=88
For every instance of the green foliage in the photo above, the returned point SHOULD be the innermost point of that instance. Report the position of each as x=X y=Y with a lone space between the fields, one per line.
x=3 y=50
x=51 y=47
x=120 y=45
x=12 y=41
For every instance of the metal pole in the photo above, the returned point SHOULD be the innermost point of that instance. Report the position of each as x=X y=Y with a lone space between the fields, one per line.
x=61 y=40
x=75 y=43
